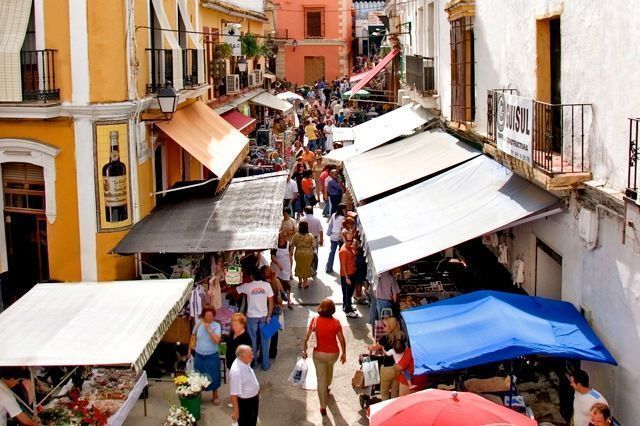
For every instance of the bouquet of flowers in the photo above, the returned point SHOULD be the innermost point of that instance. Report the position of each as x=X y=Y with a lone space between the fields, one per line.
x=191 y=384
x=179 y=416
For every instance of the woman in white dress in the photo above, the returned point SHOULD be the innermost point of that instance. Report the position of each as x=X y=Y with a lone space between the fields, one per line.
x=281 y=264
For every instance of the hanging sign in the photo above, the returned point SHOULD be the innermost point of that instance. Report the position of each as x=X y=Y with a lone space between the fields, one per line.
x=514 y=118
x=231 y=36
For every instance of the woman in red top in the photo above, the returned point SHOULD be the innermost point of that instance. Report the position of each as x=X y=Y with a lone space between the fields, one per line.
x=405 y=364
x=328 y=333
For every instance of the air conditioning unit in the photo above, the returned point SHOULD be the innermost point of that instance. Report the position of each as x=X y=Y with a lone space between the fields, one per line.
x=258 y=77
x=232 y=83
x=429 y=75
x=251 y=80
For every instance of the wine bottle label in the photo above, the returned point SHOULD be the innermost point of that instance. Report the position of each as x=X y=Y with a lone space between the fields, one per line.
x=115 y=191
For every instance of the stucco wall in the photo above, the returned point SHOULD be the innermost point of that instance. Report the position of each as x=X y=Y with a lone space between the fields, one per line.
x=605 y=281
x=598 y=67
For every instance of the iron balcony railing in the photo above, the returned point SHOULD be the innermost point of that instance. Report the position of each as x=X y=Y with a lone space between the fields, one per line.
x=278 y=33
x=559 y=133
x=161 y=69
x=632 y=173
x=190 y=68
x=420 y=73
x=39 y=75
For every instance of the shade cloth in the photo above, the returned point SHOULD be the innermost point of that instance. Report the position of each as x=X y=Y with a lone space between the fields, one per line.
x=246 y=216
x=238 y=119
x=209 y=138
x=392 y=166
x=487 y=326
x=287 y=96
x=465 y=202
x=375 y=71
x=270 y=101
x=436 y=407
x=342 y=134
x=357 y=77
x=380 y=130
x=239 y=100
x=106 y=323
x=14 y=15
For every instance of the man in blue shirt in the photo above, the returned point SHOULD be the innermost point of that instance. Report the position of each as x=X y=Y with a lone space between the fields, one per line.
x=334 y=190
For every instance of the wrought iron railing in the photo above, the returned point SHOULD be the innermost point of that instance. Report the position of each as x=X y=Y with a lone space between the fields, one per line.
x=632 y=173
x=39 y=75
x=161 y=69
x=190 y=68
x=559 y=133
x=278 y=33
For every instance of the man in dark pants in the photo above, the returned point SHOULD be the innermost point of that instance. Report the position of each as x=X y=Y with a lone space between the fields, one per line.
x=244 y=388
x=334 y=190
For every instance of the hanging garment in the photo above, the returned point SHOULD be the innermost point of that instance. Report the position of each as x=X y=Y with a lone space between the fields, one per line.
x=197 y=301
x=517 y=271
x=495 y=240
x=486 y=240
x=503 y=257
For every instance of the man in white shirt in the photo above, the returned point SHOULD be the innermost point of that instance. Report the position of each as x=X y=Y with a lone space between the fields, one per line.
x=290 y=193
x=259 y=309
x=584 y=398
x=328 y=134
x=244 y=388
x=9 y=407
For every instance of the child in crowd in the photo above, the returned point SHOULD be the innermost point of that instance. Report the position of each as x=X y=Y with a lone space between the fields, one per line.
x=397 y=352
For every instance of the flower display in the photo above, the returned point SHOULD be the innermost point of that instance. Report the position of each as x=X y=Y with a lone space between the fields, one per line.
x=179 y=416
x=191 y=384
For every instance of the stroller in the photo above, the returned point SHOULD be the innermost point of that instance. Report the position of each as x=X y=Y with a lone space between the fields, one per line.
x=368 y=394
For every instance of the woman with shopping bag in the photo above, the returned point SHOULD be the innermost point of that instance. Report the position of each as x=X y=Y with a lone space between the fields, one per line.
x=389 y=387
x=326 y=331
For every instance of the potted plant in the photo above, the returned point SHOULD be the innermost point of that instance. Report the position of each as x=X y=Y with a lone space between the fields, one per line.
x=179 y=416
x=189 y=387
x=252 y=48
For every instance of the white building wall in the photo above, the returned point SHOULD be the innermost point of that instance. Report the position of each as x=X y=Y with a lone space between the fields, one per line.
x=255 y=5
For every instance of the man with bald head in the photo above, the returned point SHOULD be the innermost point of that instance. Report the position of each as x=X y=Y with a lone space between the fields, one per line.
x=244 y=388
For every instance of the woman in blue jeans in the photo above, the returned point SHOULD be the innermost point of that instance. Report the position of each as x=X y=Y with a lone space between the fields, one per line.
x=335 y=235
x=207 y=358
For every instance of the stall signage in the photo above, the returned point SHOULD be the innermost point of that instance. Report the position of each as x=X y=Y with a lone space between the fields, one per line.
x=232 y=38
x=514 y=118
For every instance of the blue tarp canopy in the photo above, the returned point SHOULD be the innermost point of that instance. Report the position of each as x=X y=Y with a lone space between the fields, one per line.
x=488 y=326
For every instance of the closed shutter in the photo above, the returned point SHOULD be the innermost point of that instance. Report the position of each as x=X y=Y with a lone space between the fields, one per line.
x=314 y=24
x=14 y=19
x=22 y=172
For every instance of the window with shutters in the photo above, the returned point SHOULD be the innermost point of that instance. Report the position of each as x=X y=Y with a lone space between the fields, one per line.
x=23 y=185
x=462 y=71
x=313 y=22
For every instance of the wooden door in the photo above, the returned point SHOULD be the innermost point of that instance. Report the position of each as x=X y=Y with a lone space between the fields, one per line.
x=313 y=69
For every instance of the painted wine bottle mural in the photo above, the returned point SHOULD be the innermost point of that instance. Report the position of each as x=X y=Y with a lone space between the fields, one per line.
x=114 y=178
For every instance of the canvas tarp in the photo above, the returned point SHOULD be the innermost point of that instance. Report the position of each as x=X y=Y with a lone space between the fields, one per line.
x=246 y=216
x=472 y=199
x=408 y=160
x=488 y=326
x=107 y=323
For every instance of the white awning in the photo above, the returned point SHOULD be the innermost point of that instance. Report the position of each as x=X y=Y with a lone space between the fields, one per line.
x=108 y=323
x=14 y=15
x=338 y=156
x=270 y=101
x=408 y=160
x=466 y=202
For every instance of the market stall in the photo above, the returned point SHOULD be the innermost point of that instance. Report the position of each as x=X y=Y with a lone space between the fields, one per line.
x=205 y=237
x=97 y=336
x=485 y=327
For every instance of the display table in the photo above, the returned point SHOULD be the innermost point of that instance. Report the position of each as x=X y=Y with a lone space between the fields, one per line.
x=118 y=418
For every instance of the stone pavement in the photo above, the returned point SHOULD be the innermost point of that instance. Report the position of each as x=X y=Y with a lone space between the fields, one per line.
x=281 y=403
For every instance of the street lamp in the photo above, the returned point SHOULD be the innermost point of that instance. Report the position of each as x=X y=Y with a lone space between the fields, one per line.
x=242 y=64
x=294 y=44
x=168 y=100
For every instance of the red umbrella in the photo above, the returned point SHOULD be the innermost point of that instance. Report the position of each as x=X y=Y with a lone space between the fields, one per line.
x=435 y=407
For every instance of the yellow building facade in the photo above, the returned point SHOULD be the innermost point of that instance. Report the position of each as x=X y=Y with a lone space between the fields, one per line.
x=79 y=162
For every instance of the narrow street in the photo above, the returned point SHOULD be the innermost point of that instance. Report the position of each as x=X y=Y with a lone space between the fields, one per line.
x=280 y=402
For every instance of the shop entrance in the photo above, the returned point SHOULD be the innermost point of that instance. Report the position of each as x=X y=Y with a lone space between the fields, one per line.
x=25 y=227
x=548 y=272
x=313 y=69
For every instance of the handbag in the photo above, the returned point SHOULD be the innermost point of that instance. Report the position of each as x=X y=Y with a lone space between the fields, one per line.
x=194 y=337
x=233 y=275
x=358 y=380
x=312 y=342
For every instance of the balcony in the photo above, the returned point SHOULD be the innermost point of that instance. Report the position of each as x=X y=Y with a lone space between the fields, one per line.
x=279 y=34
x=632 y=173
x=161 y=67
x=559 y=135
x=39 y=75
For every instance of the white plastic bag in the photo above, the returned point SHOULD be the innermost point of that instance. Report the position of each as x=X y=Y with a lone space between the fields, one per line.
x=299 y=372
x=190 y=365
x=310 y=380
x=281 y=321
x=371 y=373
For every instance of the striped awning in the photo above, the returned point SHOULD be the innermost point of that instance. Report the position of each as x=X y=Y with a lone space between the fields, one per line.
x=14 y=16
